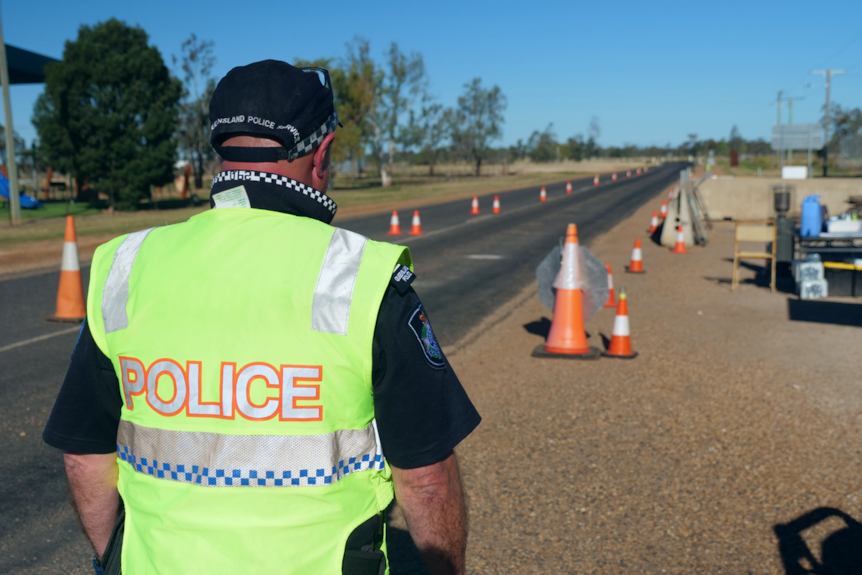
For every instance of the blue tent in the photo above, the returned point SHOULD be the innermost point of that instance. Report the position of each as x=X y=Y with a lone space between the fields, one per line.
x=27 y=202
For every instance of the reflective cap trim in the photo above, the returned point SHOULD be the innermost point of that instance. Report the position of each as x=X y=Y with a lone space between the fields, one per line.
x=115 y=294
x=330 y=308
x=216 y=460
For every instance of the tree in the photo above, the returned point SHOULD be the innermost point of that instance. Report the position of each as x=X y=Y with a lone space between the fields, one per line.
x=109 y=112
x=736 y=141
x=576 y=147
x=428 y=130
x=692 y=146
x=478 y=120
x=542 y=146
x=845 y=122
x=357 y=100
x=591 y=148
x=20 y=148
x=193 y=129
x=400 y=85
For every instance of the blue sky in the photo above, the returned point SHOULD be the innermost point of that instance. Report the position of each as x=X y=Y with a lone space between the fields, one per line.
x=652 y=72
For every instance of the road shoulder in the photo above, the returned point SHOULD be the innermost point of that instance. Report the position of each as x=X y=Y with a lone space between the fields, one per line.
x=732 y=420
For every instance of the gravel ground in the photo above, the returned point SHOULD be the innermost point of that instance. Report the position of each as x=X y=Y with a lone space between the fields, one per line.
x=733 y=419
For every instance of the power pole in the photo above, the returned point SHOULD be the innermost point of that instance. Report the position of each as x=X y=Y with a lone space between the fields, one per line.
x=11 y=164
x=828 y=74
x=778 y=121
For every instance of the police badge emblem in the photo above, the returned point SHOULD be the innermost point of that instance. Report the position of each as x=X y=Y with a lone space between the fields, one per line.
x=421 y=328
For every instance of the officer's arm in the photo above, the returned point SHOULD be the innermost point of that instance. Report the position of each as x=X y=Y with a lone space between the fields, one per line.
x=433 y=505
x=93 y=486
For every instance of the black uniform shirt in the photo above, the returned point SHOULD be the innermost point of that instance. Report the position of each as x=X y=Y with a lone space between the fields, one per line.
x=421 y=408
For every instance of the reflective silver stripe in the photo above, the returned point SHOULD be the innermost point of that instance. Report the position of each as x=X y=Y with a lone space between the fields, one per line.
x=115 y=294
x=216 y=460
x=330 y=309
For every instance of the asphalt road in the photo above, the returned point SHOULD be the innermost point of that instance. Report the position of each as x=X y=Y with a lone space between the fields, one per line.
x=466 y=266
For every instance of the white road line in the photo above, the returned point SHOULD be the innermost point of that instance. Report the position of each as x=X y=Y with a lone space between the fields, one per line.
x=40 y=338
x=484 y=257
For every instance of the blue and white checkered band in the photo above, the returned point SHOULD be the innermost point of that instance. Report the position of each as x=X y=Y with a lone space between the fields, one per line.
x=308 y=144
x=216 y=460
x=288 y=183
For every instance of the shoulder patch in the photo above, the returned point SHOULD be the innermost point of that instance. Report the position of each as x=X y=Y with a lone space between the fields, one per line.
x=421 y=328
x=402 y=277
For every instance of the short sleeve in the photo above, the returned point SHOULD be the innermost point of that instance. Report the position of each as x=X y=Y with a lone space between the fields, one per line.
x=421 y=408
x=86 y=415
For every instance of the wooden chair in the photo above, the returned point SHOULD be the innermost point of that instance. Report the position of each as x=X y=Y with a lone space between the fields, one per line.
x=753 y=231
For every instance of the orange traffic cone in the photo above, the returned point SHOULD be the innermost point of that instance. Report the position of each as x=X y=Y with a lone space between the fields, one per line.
x=663 y=212
x=646 y=170
x=610 y=302
x=628 y=173
x=653 y=226
x=416 y=227
x=679 y=248
x=543 y=195
x=596 y=180
x=496 y=208
x=621 y=343
x=70 y=295
x=394 y=225
x=670 y=194
x=614 y=177
x=637 y=264
x=567 y=337
x=474 y=207
x=568 y=187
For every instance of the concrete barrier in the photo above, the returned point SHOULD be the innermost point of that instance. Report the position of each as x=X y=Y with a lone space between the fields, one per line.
x=752 y=198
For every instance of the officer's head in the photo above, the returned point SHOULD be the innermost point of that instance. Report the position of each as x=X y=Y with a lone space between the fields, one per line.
x=273 y=117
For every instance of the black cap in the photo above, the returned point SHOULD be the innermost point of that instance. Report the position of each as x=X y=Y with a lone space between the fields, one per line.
x=274 y=100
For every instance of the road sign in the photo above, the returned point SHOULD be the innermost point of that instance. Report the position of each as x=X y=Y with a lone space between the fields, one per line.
x=797 y=136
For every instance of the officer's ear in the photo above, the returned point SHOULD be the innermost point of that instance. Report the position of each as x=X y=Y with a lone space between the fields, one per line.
x=322 y=156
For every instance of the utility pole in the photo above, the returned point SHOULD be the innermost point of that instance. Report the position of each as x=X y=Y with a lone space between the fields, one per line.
x=11 y=164
x=828 y=74
x=778 y=121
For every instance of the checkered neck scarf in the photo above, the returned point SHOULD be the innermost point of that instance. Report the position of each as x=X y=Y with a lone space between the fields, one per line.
x=277 y=193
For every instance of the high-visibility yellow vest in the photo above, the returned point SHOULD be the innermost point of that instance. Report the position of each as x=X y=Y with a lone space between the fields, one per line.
x=242 y=342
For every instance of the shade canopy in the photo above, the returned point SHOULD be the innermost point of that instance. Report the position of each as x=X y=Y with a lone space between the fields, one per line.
x=26 y=67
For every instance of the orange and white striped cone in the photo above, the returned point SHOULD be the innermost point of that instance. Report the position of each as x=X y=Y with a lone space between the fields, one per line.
x=70 y=294
x=646 y=170
x=596 y=180
x=394 y=225
x=663 y=212
x=543 y=195
x=628 y=173
x=416 y=225
x=621 y=343
x=637 y=264
x=568 y=187
x=670 y=194
x=611 y=302
x=614 y=177
x=567 y=338
x=496 y=208
x=638 y=173
x=653 y=226
x=679 y=248
x=474 y=207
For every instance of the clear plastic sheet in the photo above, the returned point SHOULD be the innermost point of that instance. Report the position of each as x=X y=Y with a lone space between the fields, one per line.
x=594 y=280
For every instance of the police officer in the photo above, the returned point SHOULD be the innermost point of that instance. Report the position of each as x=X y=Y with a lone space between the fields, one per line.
x=252 y=387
